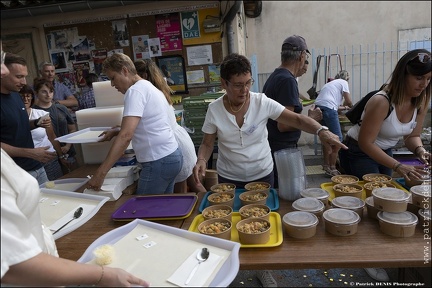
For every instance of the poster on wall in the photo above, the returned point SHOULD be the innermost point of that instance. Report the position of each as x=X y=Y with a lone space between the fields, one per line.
x=81 y=71
x=174 y=70
x=199 y=55
x=58 y=58
x=140 y=47
x=82 y=50
x=98 y=56
x=68 y=79
x=62 y=39
x=169 y=31
x=195 y=76
x=120 y=33
x=190 y=25
x=193 y=27
x=214 y=73
x=155 y=47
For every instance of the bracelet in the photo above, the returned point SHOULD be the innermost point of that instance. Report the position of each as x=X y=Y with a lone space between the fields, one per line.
x=203 y=160
x=415 y=150
x=397 y=166
x=100 y=279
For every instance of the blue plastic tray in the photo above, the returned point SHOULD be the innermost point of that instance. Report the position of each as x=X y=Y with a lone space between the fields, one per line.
x=272 y=200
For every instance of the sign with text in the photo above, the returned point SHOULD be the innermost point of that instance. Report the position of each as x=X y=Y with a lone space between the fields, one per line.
x=190 y=25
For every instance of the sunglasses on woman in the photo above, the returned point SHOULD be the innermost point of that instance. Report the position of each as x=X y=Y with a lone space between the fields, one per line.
x=422 y=57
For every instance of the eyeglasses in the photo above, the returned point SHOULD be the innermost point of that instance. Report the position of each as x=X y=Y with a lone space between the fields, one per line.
x=422 y=57
x=236 y=86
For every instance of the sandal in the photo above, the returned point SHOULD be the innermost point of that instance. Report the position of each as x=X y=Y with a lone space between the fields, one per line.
x=330 y=171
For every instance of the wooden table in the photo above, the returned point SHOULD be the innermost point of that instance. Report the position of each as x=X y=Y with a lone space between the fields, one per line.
x=369 y=247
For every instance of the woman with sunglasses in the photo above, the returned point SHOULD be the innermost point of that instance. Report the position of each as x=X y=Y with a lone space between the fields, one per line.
x=43 y=137
x=239 y=122
x=370 y=144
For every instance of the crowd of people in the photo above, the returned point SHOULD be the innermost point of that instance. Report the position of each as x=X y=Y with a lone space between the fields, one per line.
x=249 y=127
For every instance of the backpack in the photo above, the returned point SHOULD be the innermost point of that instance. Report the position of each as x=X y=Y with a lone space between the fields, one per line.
x=354 y=114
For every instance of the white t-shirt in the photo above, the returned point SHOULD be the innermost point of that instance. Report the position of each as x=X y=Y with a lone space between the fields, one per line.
x=186 y=146
x=22 y=236
x=153 y=138
x=330 y=95
x=39 y=135
x=243 y=153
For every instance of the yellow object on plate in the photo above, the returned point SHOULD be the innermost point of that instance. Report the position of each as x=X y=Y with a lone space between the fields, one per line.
x=276 y=232
x=328 y=186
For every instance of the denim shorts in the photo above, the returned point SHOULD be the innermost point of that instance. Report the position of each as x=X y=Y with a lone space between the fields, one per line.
x=331 y=120
x=355 y=162
x=40 y=175
x=157 y=177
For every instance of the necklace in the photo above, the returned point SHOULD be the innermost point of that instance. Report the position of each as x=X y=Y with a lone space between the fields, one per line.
x=235 y=111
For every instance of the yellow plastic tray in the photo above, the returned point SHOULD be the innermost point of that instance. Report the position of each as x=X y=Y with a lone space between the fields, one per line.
x=276 y=233
x=328 y=186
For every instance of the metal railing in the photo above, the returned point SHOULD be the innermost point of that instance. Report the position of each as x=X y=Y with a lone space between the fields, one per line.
x=369 y=66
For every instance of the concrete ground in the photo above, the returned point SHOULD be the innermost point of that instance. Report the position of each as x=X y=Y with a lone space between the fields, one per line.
x=337 y=277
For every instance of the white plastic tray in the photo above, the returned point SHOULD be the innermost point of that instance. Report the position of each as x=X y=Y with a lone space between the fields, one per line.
x=56 y=204
x=170 y=240
x=69 y=184
x=87 y=135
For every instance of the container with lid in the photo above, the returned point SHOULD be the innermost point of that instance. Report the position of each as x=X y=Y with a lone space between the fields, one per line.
x=317 y=193
x=400 y=224
x=300 y=224
x=372 y=211
x=354 y=190
x=421 y=196
x=309 y=204
x=370 y=186
x=349 y=202
x=341 y=222
x=390 y=199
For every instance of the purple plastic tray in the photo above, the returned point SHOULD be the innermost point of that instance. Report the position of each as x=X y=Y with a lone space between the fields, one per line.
x=414 y=162
x=156 y=207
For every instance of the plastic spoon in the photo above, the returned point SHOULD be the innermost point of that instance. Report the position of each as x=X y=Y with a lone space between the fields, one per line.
x=202 y=256
x=77 y=215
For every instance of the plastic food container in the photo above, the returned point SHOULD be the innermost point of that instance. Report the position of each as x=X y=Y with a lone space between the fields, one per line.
x=421 y=196
x=253 y=197
x=372 y=211
x=370 y=186
x=354 y=190
x=207 y=227
x=349 y=202
x=309 y=204
x=390 y=199
x=224 y=198
x=300 y=224
x=341 y=222
x=344 y=179
x=223 y=187
x=253 y=237
x=400 y=224
x=317 y=193
x=255 y=211
x=258 y=186
x=218 y=211
x=376 y=177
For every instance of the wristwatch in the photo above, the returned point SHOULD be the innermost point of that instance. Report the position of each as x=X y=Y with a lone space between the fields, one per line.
x=320 y=129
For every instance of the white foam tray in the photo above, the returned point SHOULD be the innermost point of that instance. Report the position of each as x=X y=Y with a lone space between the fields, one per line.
x=69 y=184
x=223 y=277
x=67 y=201
x=87 y=135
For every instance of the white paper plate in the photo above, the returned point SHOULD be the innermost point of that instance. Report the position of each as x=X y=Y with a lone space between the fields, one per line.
x=166 y=238
x=87 y=135
x=69 y=184
x=56 y=204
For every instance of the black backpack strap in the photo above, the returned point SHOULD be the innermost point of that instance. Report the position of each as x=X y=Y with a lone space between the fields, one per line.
x=390 y=106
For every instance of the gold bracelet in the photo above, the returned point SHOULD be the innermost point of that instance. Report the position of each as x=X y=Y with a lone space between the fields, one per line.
x=203 y=160
x=415 y=150
x=100 y=279
x=397 y=166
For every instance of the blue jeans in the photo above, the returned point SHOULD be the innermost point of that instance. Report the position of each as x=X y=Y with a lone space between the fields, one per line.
x=355 y=162
x=331 y=120
x=40 y=175
x=157 y=177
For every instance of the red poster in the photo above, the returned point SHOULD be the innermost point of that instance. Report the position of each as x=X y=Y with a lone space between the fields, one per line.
x=169 y=31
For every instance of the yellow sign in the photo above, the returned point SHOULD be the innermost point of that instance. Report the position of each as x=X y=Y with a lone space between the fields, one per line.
x=205 y=37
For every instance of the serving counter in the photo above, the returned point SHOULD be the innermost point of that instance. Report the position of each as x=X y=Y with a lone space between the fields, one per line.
x=369 y=247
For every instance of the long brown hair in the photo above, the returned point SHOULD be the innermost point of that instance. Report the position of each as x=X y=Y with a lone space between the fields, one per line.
x=148 y=70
